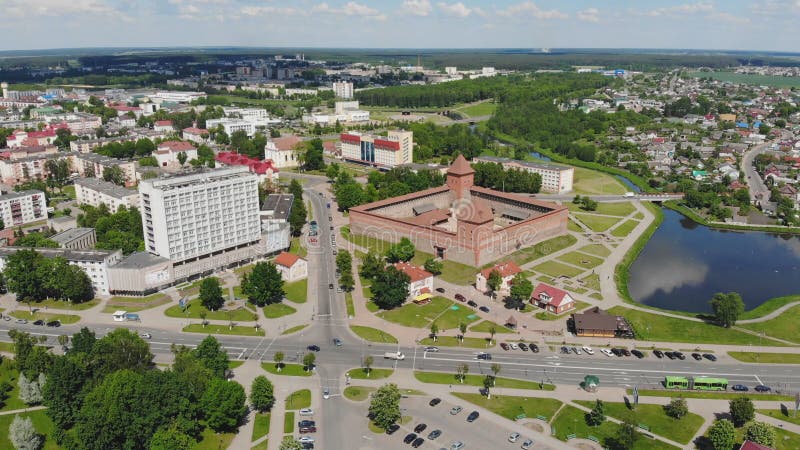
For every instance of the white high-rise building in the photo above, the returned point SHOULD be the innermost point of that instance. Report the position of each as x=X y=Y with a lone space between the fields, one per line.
x=203 y=220
x=343 y=89
x=19 y=208
x=393 y=150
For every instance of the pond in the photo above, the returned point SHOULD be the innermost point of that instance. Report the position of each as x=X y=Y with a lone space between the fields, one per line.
x=628 y=183
x=684 y=264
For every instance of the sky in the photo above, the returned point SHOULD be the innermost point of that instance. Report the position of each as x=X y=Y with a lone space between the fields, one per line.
x=730 y=24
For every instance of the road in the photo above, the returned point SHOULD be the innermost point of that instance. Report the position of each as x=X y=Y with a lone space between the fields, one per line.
x=754 y=181
x=612 y=198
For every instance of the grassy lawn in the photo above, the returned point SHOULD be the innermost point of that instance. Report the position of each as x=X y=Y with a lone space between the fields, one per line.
x=194 y=308
x=588 y=181
x=348 y=300
x=556 y=269
x=209 y=440
x=571 y=420
x=769 y=306
x=239 y=271
x=289 y=370
x=276 y=310
x=374 y=374
x=69 y=191
x=778 y=414
x=595 y=249
x=711 y=395
x=297 y=292
x=451 y=341
x=135 y=304
x=235 y=364
x=223 y=329
x=786 y=326
x=298 y=400
x=510 y=407
x=484 y=326
x=260 y=426
x=597 y=223
x=784 y=440
x=596 y=296
x=357 y=393
x=7 y=347
x=654 y=417
x=544 y=248
x=581 y=260
x=412 y=315
x=591 y=281
x=620 y=209
x=288 y=422
x=62 y=304
x=749 y=78
x=624 y=229
x=10 y=375
x=137 y=300
x=572 y=226
x=766 y=358
x=453 y=317
x=41 y=423
x=477 y=380
x=655 y=327
x=373 y=334
x=295 y=329
x=47 y=317
x=479 y=109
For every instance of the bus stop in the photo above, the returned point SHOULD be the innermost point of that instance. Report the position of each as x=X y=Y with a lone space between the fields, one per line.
x=119 y=316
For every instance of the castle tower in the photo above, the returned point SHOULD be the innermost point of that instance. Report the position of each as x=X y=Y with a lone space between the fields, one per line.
x=460 y=178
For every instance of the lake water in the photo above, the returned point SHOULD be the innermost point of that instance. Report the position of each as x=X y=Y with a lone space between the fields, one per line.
x=684 y=264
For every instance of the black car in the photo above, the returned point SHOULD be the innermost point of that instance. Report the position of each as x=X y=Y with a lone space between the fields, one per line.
x=410 y=438
x=534 y=348
x=625 y=352
x=616 y=352
x=473 y=416
x=637 y=353
x=54 y=324
x=697 y=356
x=306 y=423
x=435 y=401
x=420 y=428
x=659 y=354
x=740 y=387
x=392 y=428
x=434 y=434
x=472 y=303
x=485 y=356
x=669 y=355
x=484 y=309
x=762 y=388
x=39 y=322
x=330 y=286
x=523 y=347
x=313 y=348
x=440 y=290
x=709 y=357
x=679 y=355
x=460 y=298
x=565 y=350
x=417 y=442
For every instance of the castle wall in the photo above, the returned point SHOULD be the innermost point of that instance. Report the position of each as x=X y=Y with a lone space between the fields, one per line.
x=400 y=210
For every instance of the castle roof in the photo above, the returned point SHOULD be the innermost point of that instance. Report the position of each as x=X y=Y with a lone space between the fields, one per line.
x=460 y=167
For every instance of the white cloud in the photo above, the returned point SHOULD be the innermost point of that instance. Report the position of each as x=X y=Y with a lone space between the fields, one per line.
x=589 y=15
x=54 y=8
x=454 y=9
x=416 y=7
x=729 y=18
x=528 y=8
x=350 y=9
x=268 y=11
x=684 y=9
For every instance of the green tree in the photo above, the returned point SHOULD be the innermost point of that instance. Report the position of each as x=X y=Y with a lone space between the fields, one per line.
x=627 y=435
x=171 y=438
x=278 y=358
x=223 y=404
x=742 y=410
x=308 y=361
x=118 y=350
x=332 y=171
x=344 y=261
x=313 y=156
x=493 y=281
x=212 y=356
x=597 y=415
x=263 y=285
x=496 y=368
x=384 y=408
x=114 y=174
x=727 y=308
x=461 y=372
x=262 y=395
x=211 y=294
x=298 y=215
x=462 y=327
x=349 y=195
x=390 y=288
x=182 y=158
x=434 y=330
x=35 y=239
x=677 y=408
x=83 y=341
x=402 y=251
x=346 y=281
x=722 y=434
x=372 y=265
x=23 y=435
x=367 y=363
x=433 y=266
x=21 y=275
x=290 y=443
x=521 y=288
x=760 y=433
x=488 y=383
x=63 y=392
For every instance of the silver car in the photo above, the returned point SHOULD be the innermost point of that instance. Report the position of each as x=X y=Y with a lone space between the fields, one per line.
x=457 y=445
x=527 y=445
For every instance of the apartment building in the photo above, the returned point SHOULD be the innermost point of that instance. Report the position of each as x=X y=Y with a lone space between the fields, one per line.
x=94 y=165
x=555 y=178
x=275 y=228
x=343 y=89
x=196 y=135
x=19 y=208
x=176 y=96
x=232 y=125
x=167 y=152
x=94 y=192
x=86 y=146
x=19 y=169
x=94 y=262
x=393 y=150
x=202 y=221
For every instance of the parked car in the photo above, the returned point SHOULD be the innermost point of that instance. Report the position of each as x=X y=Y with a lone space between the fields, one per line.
x=420 y=428
x=588 y=350
x=306 y=412
x=305 y=440
x=39 y=322
x=576 y=350
x=626 y=352
x=659 y=354
x=473 y=416
x=417 y=442
x=306 y=423
x=304 y=430
x=513 y=345
x=484 y=309
x=679 y=355
x=455 y=410
x=740 y=387
x=606 y=351
x=709 y=357
x=22 y=321
x=409 y=438
x=523 y=347
x=440 y=290
x=435 y=401
x=504 y=346
x=534 y=348
x=313 y=348
x=670 y=355
x=527 y=445
x=513 y=437
x=460 y=298
x=56 y=324
x=763 y=388
x=564 y=350
x=697 y=356
x=434 y=434
x=637 y=353
x=616 y=351
x=472 y=303
x=392 y=428
x=6 y=318
x=456 y=445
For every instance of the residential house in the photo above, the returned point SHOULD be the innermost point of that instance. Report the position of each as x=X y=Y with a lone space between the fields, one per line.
x=421 y=281
x=291 y=267
x=196 y=135
x=163 y=125
x=167 y=152
x=595 y=322
x=552 y=299
x=507 y=271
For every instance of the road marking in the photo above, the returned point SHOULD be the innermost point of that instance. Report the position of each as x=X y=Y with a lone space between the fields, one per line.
x=759 y=380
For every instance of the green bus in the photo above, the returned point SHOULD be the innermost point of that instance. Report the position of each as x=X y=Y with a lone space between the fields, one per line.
x=699 y=383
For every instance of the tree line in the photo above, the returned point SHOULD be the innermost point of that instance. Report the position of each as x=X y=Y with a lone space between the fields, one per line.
x=33 y=278
x=119 y=230
x=436 y=95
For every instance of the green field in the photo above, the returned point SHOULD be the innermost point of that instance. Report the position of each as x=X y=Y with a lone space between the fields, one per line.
x=298 y=400
x=544 y=248
x=210 y=440
x=571 y=420
x=597 y=224
x=712 y=395
x=620 y=209
x=358 y=393
x=769 y=306
x=373 y=334
x=413 y=315
x=297 y=292
x=260 y=426
x=786 y=326
x=289 y=370
x=288 y=422
x=766 y=358
x=581 y=260
x=223 y=329
x=592 y=281
x=135 y=304
x=374 y=374
x=41 y=422
x=625 y=228
x=275 y=310
x=484 y=327
x=744 y=78
x=351 y=309
x=62 y=304
x=194 y=308
x=655 y=327
x=654 y=417
x=478 y=109
x=510 y=407
x=556 y=269
x=784 y=440
x=477 y=380
x=588 y=181
x=451 y=318
x=297 y=248
x=778 y=414
x=595 y=249
x=451 y=341
x=47 y=317
x=9 y=374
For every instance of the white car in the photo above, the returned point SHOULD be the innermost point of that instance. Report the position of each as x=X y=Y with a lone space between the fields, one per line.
x=306 y=412
x=606 y=351
x=306 y=440
x=513 y=437
x=513 y=346
x=588 y=350
x=527 y=444
x=326 y=393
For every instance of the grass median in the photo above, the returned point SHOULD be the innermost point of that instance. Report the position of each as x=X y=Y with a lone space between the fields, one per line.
x=65 y=319
x=373 y=334
x=260 y=426
x=297 y=292
x=374 y=374
x=785 y=326
x=571 y=422
x=194 y=308
x=452 y=341
x=653 y=416
x=224 y=329
x=358 y=393
x=712 y=395
x=298 y=400
x=477 y=380
x=766 y=358
x=276 y=310
x=289 y=370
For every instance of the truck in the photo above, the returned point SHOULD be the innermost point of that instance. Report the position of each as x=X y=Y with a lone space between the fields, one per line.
x=394 y=355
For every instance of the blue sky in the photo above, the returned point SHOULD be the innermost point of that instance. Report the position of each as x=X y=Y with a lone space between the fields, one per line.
x=728 y=24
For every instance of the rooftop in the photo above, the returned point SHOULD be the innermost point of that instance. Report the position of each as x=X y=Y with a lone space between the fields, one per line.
x=70 y=235
x=460 y=167
x=140 y=260
x=105 y=187
x=287 y=259
x=278 y=205
x=20 y=194
x=68 y=254
x=536 y=165
x=506 y=269
x=413 y=272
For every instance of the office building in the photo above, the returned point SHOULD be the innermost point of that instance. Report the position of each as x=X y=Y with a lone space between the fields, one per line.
x=75 y=238
x=94 y=165
x=232 y=125
x=94 y=192
x=343 y=89
x=140 y=273
x=176 y=96
x=379 y=151
x=19 y=208
x=556 y=178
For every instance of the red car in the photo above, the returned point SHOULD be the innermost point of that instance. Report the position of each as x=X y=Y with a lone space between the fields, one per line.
x=504 y=346
x=460 y=298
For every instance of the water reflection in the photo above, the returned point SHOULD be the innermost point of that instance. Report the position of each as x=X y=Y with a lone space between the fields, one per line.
x=670 y=272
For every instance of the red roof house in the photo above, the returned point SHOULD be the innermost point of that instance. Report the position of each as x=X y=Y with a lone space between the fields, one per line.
x=552 y=299
x=258 y=167
x=507 y=271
